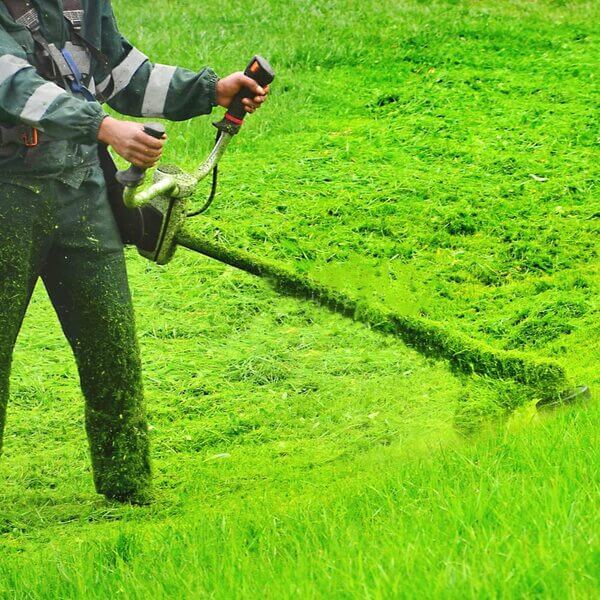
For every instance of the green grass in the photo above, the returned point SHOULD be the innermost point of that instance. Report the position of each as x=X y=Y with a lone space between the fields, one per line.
x=506 y=517
x=438 y=158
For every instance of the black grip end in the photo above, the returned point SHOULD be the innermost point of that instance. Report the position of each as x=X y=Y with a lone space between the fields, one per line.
x=260 y=70
x=132 y=177
x=156 y=130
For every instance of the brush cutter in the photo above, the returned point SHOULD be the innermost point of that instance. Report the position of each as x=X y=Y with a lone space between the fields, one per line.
x=161 y=212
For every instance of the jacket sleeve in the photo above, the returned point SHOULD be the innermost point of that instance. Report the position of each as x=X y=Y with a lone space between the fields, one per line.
x=26 y=98
x=137 y=87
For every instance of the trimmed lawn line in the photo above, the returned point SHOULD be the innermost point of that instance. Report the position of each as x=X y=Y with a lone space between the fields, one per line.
x=546 y=377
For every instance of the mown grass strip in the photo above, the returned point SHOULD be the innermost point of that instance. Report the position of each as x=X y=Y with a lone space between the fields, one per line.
x=469 y=356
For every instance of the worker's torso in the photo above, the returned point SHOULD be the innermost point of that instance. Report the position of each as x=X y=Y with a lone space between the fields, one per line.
x=51 y=158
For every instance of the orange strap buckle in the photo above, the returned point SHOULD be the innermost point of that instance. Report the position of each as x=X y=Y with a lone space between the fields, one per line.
x=31 y=141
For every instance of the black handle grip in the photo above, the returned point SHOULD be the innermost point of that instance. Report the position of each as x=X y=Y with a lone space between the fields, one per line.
x=261 y=71
x=156 y=130
x=134 y=176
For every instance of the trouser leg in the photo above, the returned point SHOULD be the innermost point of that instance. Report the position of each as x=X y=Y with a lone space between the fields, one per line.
x=86 y=279
x=25 y=227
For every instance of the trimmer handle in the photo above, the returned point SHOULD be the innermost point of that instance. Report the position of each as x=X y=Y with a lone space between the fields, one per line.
x=134 y=176
x=261 y=71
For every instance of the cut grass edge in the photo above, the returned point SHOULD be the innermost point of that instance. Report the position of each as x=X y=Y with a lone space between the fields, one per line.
x=545 y=378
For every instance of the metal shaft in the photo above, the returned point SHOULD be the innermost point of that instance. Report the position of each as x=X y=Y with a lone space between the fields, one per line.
x=165 y=187
x=546 y=378
x=214 y=157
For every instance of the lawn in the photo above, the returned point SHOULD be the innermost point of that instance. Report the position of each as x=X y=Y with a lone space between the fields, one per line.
x=437 y=158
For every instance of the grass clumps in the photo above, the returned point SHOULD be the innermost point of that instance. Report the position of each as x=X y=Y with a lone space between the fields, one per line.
x=458 y=220
x=486 y=401
x=535 y=328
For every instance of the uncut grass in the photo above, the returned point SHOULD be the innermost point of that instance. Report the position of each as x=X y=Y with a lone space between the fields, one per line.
x=510 y=527
x=438 y=157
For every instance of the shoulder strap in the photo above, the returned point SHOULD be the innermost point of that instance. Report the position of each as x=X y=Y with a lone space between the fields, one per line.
x=24 y=13
x=74 y=14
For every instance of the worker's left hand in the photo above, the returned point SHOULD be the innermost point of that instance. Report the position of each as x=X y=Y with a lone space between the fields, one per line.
x=228 y=87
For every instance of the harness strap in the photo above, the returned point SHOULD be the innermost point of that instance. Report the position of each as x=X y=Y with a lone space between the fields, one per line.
x=77 y=82
x=52 y=63
x=63 y=62
x=23 y=12
x=97 y=54
x=74 y=13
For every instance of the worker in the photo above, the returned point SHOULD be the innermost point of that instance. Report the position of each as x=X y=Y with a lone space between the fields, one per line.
x=60 y=61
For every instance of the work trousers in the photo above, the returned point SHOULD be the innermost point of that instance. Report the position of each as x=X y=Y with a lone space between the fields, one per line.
x=67 y=235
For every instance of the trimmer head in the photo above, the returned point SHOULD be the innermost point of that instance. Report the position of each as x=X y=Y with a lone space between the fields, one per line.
x=576 y=394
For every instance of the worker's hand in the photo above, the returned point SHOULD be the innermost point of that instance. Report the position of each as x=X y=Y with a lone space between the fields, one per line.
x=228 y=87
x=129 y=141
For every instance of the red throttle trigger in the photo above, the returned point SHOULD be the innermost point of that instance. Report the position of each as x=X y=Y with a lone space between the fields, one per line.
x=261 y=71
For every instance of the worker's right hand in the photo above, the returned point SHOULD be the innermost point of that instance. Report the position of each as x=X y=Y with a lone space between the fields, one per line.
x=129 y=141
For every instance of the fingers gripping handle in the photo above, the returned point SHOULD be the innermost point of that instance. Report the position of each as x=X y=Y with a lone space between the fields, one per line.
x=261 y=71
x=134 y=176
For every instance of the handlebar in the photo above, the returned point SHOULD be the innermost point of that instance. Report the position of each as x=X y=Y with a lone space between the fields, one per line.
x=258 y=69
x=134 y=176
x=261 y=71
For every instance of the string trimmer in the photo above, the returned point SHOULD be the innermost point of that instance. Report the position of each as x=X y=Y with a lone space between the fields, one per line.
x=161 y=213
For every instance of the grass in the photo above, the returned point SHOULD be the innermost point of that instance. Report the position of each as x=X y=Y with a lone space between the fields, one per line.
x=437 y=158
x=545 y=379
x=515 y=523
